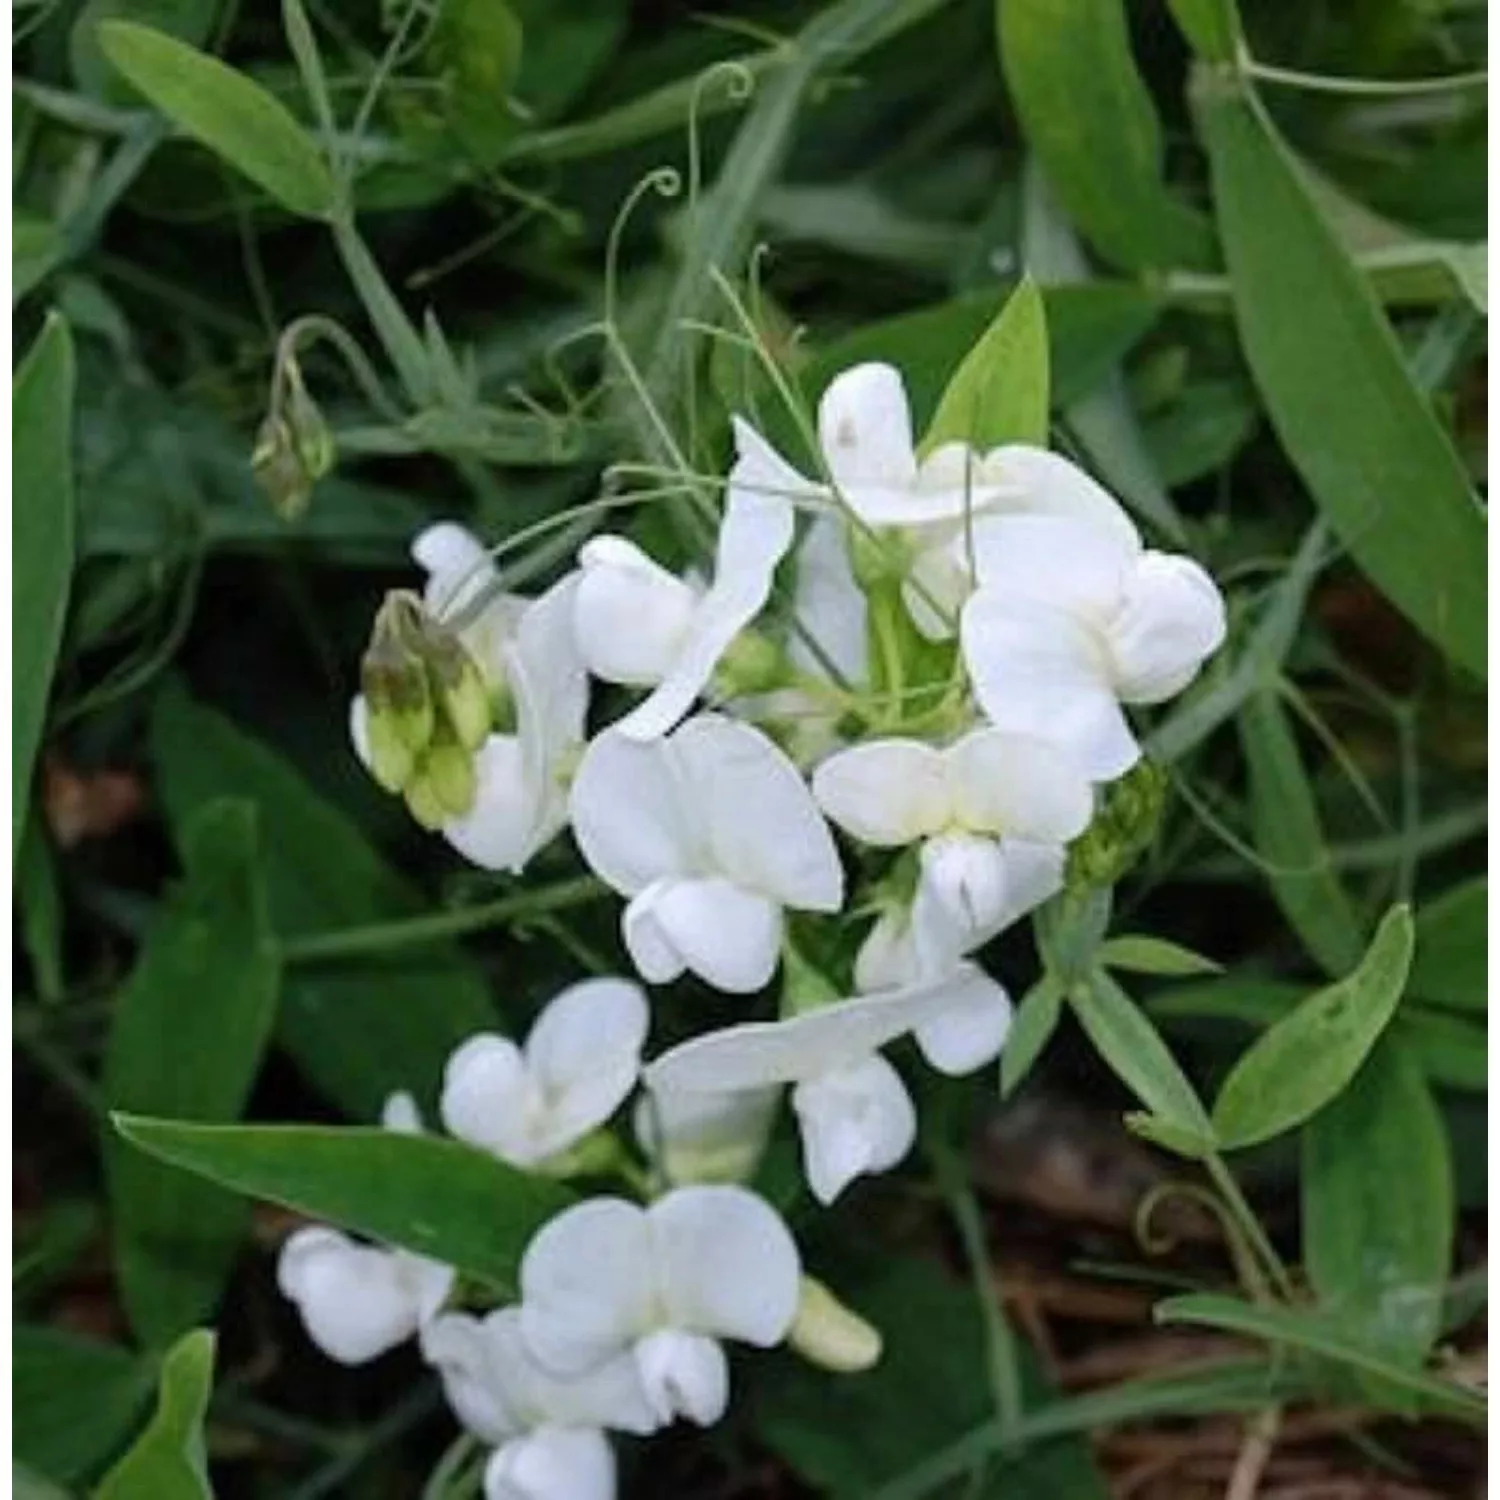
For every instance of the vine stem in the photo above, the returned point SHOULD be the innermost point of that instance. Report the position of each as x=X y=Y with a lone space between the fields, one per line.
x=1249 y=1225
x=381 y=937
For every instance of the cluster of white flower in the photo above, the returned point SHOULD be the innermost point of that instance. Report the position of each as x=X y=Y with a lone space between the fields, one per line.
x=947 y=680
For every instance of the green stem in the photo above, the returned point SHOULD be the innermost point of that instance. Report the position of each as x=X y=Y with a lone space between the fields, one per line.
x=381 y=937
x=1000 y=1344
x=1249 y=1225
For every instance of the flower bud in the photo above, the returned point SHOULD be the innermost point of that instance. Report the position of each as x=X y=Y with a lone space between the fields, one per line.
x=310 y=438
x=1123 y=828
x=448 y=771
x=392 y=760
x=422 y=802
x=830 y=1335
x=279 y=468
x=463 y=693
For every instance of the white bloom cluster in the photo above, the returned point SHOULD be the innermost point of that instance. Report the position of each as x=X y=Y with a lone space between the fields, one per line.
x=947 y=682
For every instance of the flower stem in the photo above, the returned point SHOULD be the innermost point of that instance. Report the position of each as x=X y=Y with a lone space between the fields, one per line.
x=381 y=937
x=1250 y=1226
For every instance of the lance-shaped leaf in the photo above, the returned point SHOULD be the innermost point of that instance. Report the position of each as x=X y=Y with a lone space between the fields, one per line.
x=189 y=1031
x=169 y=1460
x=1302 y=1062
x=1336 y=386
x=229 y=113
x=439 y=1198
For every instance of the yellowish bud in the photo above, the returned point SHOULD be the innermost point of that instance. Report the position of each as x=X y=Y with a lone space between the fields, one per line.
x=830 y=1335
x=423 y=804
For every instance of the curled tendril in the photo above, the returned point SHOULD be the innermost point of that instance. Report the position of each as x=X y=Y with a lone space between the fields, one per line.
x=739 y=85
x=665 y=182
x=1155 y=1241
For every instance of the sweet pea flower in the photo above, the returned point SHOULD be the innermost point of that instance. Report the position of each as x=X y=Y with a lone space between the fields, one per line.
x=1072 y=619
x=992 y=814
x=358 y=1301
x=710 y=833
x=663 y=1285
x=527 y=652
x=641 y=626
x=706 y=1137
x=548 y=1434
x=853 y=1110
x=529 y=1104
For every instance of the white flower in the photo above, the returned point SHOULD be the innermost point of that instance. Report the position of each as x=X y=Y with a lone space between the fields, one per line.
x=525 y=649
x=641 y=626
x=664 y=1284
x=829 y=612
x=853 y=1110
x=357 y=1301
x=706 y=1137
x=548 y=1433
x=580 y=1060
x=710 y=832
x=1073 y=618
x=992 y=813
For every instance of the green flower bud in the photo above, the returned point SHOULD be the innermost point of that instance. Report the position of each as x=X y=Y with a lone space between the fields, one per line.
x=830 y=1335
x=1122 y=829
x=310 y=438
x=463 y=692
x=449 y=771
x=392 y=760
x=279 y=468
x=423 y=804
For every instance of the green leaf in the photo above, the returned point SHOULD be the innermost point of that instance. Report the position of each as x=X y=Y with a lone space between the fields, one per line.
x=359 y=1030
x=1170 y=1136
x=849 y=1435
x=1299 y=1328
x=1377 y=1207
x=228 y=112
x=1302 y=1062
x=475 y=54
x=1090 y=119
x=73 y=1401
x=40 y=909
x=1288 y=836
x=1139 y=954
x=1124 y=1037
x=189 y=1031
x=1089 y=329
x=42 y=523
x=1336 y=385
x=1211 y=27
x=1031 y=1029
x=169 y=1460
x=1451 y=967
x=1000 y=392
x=27 y=1484
x=437 y=1197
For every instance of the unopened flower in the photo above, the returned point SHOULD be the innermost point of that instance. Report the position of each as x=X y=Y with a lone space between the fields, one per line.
x=710 y=832
x=854 y=1112
x=663 y=1284
x=529 y=1104
x=494 y=783
x=830 y=1335
x=548 y=1434
x=641 y=626
x=358 y=1300
x=1073 y=619
x=991 y=813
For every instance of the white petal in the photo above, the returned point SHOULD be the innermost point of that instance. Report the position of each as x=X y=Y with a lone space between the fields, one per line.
x=937 y=583
x=965 y=875
x=630 y=615
x=854 y=1121
x=684 y=1374
x=864 y=427
x=759 y=1053
x=706 y=1138
x=885 y=792
x=588 y=1285
x=456 y=562
x=763 y=828
x=1033 y=874
x=631 y=814
x=760 y=470
x=553 y=1463
x=359 y=729
x=354 y=1301
x=400 y=1113
x=888 y=959
x=1037 y=671
x=584 y=1055
x=1049 y=484
x=457 y=1346
x=728 y=1264
x=828 y=605
x=1018 y=784
x=488 y=1100
x=728 y=936
x=1064 y=564
x=755 y=533
x=497 y=831
x=971 y=1031
x=1171 y=621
